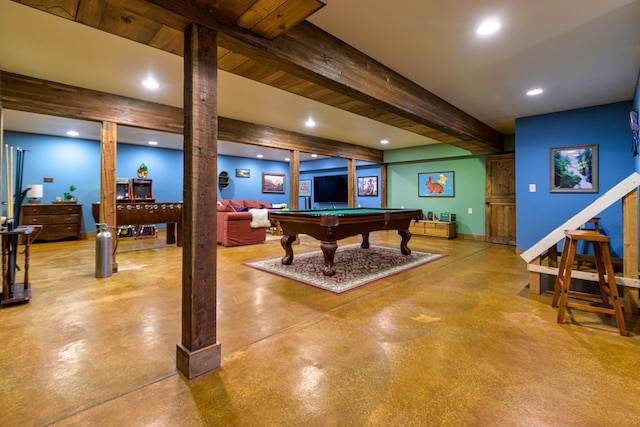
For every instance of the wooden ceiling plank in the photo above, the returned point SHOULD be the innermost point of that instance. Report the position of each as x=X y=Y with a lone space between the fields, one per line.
x=91 y=12
x=129 y=24
x=286 y=16
x=151 y=12
x=227 y=10
x=231 y=61
x=64 y=8
x=253 y=70
x=169 y=39
x=257 y=12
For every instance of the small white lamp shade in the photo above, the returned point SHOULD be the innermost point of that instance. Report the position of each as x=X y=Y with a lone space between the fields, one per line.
x=36 y=191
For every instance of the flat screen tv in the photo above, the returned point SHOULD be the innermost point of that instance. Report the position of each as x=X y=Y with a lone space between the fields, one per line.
x=331 y=189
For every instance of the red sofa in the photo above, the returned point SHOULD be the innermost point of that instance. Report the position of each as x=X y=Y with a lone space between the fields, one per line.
x=234 y=221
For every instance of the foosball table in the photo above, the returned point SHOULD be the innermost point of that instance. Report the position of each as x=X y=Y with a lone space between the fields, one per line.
x=144 y=214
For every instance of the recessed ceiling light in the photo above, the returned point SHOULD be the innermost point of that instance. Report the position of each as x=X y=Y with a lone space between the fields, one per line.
x=150 y=83
x=384 y=141
x=286 y=159
x=310 y=123
x=73 y=133
x=487 y=27
x=153 y=142
x=259 y=156
x=534 y=92
x=314 y=155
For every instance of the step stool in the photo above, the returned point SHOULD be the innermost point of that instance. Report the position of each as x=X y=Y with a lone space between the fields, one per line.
x=603 y=265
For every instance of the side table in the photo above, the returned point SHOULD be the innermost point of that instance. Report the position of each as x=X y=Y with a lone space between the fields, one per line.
x=13 y=292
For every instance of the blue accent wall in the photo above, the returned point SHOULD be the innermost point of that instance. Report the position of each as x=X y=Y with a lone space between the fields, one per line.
x=541 y=212
x=73 y=161
x=165 y=167
x=251 y=188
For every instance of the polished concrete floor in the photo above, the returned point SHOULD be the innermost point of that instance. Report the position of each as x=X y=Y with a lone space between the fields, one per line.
x=458 y=342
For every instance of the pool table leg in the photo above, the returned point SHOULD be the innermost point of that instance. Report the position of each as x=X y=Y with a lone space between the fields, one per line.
x=406 y=235
x=365 y=241
x=286 y=242
x=329 y=252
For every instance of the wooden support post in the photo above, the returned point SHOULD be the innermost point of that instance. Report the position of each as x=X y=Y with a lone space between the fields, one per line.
x=534 y=277
x=383 y=185
x=199 y=351
x=351 y=168
x=108 y=148
x=630 y=248
x=294 y=178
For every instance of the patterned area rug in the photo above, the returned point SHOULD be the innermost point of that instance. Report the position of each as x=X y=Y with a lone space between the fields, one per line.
x=355 y=266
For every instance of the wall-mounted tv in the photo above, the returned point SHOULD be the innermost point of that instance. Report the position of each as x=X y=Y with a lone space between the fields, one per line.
x=331 y=189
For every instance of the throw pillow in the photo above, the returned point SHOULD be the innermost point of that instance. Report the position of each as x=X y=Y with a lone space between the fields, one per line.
x=252 y=204
x=240 y=208
x=259 y=218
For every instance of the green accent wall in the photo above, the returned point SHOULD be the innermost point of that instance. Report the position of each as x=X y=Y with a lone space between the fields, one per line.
x=403 y=167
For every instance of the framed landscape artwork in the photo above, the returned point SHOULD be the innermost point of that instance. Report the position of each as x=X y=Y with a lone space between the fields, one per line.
x=273 y=182
x=368 y=186
x=305 y=188
x=243 y=173
x=436 y=184
x=574 y=169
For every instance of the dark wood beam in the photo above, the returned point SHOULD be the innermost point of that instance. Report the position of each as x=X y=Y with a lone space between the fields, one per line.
x=23 y=93
x=265 y=136
x=314 y=55
x=199 y=351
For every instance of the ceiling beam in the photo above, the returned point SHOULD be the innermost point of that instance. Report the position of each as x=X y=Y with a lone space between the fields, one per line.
x=308 y=52
x=305 y=60
x=32 y=95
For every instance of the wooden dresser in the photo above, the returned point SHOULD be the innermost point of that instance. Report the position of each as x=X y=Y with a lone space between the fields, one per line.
x=433 y=228
x=59 y=220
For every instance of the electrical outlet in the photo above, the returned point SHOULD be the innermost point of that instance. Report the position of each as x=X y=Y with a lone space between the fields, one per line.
x=532 y=188
x=469 y=211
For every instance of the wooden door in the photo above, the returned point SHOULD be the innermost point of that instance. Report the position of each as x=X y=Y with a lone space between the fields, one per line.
x=500 y=200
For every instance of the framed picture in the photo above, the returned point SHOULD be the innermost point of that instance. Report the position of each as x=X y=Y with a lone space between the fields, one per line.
x=273 y=182
x=368 y=186
x=574 y=169
x=436 y=184
x=243 y=173
x=305 y=188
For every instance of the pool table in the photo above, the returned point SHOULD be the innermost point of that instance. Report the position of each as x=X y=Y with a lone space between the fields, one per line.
x=331 y=225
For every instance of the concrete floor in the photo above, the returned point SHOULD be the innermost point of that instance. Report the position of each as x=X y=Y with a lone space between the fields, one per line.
x=456 y=342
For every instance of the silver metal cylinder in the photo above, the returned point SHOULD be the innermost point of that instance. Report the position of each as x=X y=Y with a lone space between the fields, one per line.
x=104 y=254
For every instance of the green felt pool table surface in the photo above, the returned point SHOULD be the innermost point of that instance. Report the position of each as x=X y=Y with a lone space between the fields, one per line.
x=342 y=211
x=331 y=225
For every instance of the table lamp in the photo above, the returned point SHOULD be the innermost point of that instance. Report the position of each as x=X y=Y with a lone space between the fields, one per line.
x=35 y=193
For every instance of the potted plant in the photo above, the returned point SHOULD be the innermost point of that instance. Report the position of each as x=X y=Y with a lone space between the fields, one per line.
x=143 y=171
x=68 y=197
